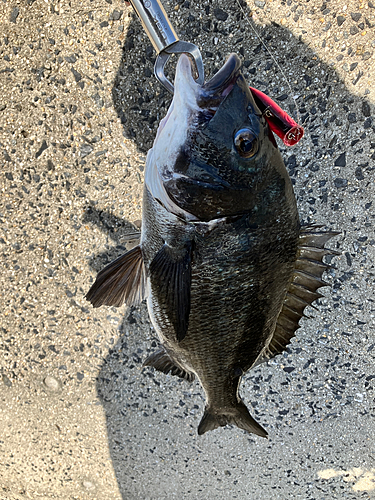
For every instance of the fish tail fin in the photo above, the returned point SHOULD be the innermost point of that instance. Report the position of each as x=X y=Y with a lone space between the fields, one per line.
x=237 y=415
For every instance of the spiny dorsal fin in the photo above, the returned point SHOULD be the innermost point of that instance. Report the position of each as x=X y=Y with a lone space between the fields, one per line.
x=123 y=280
x=315 y=239
x=302 y=291
x=162 y=361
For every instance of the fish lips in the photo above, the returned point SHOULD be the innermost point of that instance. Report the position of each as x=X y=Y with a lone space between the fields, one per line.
x=219 y=86
x=207 y=98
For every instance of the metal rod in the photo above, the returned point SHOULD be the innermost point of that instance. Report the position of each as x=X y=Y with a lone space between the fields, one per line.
x=156 y=23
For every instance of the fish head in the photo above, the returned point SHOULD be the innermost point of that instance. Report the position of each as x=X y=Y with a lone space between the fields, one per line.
x=213 y=151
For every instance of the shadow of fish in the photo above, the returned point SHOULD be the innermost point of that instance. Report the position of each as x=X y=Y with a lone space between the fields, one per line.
x=224 y=264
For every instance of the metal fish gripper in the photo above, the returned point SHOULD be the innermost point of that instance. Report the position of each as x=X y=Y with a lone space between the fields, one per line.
x=165 y=40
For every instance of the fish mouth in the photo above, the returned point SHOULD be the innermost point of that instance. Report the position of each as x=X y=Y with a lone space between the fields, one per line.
x=223 y=81
x=215 y=89
x=209 y=96
x=201 y=100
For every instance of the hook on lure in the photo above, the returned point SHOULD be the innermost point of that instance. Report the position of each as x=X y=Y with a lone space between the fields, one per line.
x=278 y=120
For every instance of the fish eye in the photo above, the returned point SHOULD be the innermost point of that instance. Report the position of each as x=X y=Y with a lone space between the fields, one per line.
x=246 y=143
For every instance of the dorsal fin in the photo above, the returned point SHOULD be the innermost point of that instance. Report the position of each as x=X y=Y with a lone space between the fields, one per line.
x=302 y=291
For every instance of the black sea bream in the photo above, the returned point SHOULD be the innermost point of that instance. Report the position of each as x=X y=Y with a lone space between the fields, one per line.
x=223 y=262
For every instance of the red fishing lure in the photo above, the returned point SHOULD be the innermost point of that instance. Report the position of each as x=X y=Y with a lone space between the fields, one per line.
x=279 y=121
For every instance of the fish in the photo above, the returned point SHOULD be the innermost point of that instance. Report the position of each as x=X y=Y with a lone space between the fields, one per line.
x=224 y=263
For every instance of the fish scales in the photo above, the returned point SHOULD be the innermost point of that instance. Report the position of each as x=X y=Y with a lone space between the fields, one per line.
x=232 y=268
x=223 y=262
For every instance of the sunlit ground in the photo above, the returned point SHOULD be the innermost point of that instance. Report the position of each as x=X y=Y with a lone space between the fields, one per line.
x=364 y=480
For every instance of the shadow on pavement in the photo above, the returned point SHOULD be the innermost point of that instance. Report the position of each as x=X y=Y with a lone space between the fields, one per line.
x=132 y=397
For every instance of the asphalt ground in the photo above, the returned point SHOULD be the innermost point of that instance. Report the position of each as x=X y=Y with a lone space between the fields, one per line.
x=79 y=107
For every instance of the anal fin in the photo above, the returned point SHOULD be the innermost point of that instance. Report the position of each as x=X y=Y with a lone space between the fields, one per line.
x=123 y=280
x=164 y=363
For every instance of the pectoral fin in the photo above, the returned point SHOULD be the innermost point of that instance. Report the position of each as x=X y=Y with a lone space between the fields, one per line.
x=170 y=274
x=123 y=280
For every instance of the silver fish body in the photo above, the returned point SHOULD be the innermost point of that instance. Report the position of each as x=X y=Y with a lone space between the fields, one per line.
x=224 y=265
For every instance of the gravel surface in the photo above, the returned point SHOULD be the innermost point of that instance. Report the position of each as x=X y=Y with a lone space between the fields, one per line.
x=79 y=107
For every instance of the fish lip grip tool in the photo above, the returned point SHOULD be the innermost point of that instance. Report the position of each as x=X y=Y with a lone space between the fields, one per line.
x=165 y=40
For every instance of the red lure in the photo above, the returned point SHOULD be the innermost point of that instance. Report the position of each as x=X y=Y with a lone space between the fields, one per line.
x=279 y=121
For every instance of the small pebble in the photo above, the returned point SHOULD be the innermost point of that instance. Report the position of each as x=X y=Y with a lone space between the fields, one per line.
x=220 y=14
x=88 y=485
x=14 y=14
x=116 y=15
x=42 y=148
x=341 y=160
x=355 y=16
x=77 y=76
x=340 y=183
x=52 y=383
x=6 y=380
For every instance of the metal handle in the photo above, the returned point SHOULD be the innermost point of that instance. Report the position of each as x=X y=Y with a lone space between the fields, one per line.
x=164 y=39
x=156 y=23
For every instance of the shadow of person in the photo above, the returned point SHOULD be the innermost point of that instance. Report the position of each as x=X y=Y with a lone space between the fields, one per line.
x=152 y=418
